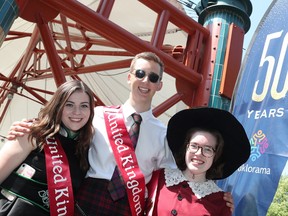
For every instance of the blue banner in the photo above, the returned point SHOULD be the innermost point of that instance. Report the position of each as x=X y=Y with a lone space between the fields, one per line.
x=260 y=103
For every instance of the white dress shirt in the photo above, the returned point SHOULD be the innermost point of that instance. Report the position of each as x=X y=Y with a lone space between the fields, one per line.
x=152 y=150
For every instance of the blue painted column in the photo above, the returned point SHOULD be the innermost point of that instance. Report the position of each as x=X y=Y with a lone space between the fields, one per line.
x=8 y=13
x=224 y=12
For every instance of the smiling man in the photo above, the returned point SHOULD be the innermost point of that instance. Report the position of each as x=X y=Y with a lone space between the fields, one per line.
x=111 y=145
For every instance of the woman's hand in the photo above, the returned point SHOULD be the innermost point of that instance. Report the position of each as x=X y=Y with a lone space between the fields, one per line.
x=19 y=129
x=229 y=200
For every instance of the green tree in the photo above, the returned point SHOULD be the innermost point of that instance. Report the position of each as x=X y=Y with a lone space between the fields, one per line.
x=279 y=206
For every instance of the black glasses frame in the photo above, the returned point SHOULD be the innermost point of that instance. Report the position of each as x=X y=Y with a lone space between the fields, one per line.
x=152 y=77
x=202 y=150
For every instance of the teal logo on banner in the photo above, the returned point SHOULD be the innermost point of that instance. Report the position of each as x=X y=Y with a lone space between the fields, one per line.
x=260 y=103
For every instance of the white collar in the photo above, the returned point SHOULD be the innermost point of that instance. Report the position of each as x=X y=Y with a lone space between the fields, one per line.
x=128 y=110
x=200 y=189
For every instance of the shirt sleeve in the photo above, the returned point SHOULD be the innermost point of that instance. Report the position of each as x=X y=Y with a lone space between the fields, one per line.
x=166 y=158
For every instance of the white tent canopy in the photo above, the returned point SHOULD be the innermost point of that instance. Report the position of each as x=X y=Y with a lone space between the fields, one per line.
x=110 y=86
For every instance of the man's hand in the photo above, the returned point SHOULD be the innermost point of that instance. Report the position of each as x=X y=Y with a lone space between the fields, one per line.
x=229 y=200
x=19 y=129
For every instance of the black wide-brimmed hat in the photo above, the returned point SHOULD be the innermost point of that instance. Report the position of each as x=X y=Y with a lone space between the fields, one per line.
x=236 y=149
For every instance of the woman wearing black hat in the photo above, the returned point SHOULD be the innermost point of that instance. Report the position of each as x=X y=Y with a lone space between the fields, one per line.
x=207 y=144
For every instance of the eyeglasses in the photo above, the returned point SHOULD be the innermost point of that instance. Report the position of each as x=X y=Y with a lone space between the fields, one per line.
x=207 y=151
x=140 y=74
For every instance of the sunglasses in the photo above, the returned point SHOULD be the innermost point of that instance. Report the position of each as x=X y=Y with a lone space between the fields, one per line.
x=153 y=77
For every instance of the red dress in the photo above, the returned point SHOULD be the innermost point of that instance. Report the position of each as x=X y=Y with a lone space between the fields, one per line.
x=175 y=197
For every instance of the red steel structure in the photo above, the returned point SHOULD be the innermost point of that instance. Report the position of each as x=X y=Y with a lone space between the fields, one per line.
x=191 y=65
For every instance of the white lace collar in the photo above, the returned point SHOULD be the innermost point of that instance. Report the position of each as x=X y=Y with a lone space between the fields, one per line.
x=200 y=189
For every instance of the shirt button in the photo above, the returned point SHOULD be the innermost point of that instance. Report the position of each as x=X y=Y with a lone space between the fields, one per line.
x=174 y=212
x=179 y=197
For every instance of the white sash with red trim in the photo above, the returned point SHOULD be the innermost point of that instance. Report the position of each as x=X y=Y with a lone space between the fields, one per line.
x=125 y=158
x=61 y=198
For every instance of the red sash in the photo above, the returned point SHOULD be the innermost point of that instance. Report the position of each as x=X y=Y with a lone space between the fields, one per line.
x=152 y=187
x=61 y=198
x=125 y=158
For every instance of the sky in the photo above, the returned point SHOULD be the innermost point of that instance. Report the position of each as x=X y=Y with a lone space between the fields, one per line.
x=259 y=9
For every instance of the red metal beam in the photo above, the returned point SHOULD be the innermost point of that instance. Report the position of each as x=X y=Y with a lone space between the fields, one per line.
x=167 y=104
x=51 y=52
x=5 y=110
x=88 y=69
x=185 y=69
x=160 y=29
x=120 y=36
x=177 y=17
x=105 y=7
x=68 y=40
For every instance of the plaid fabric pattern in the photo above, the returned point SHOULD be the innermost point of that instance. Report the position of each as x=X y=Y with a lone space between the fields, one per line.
x=134 y=130
x=116 y=186
x=94 y=199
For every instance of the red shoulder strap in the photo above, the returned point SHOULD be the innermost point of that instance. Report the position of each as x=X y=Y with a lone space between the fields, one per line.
x=152 y=187
x=60 y=190
x=125 y=158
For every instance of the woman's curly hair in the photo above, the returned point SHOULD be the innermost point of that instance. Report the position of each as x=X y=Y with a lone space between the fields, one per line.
x=49 y=120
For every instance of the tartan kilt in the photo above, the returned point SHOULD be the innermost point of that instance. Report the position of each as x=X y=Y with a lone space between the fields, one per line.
x=94 y=198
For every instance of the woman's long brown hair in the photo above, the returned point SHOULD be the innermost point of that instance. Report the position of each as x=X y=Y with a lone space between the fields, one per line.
x=49 y=120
